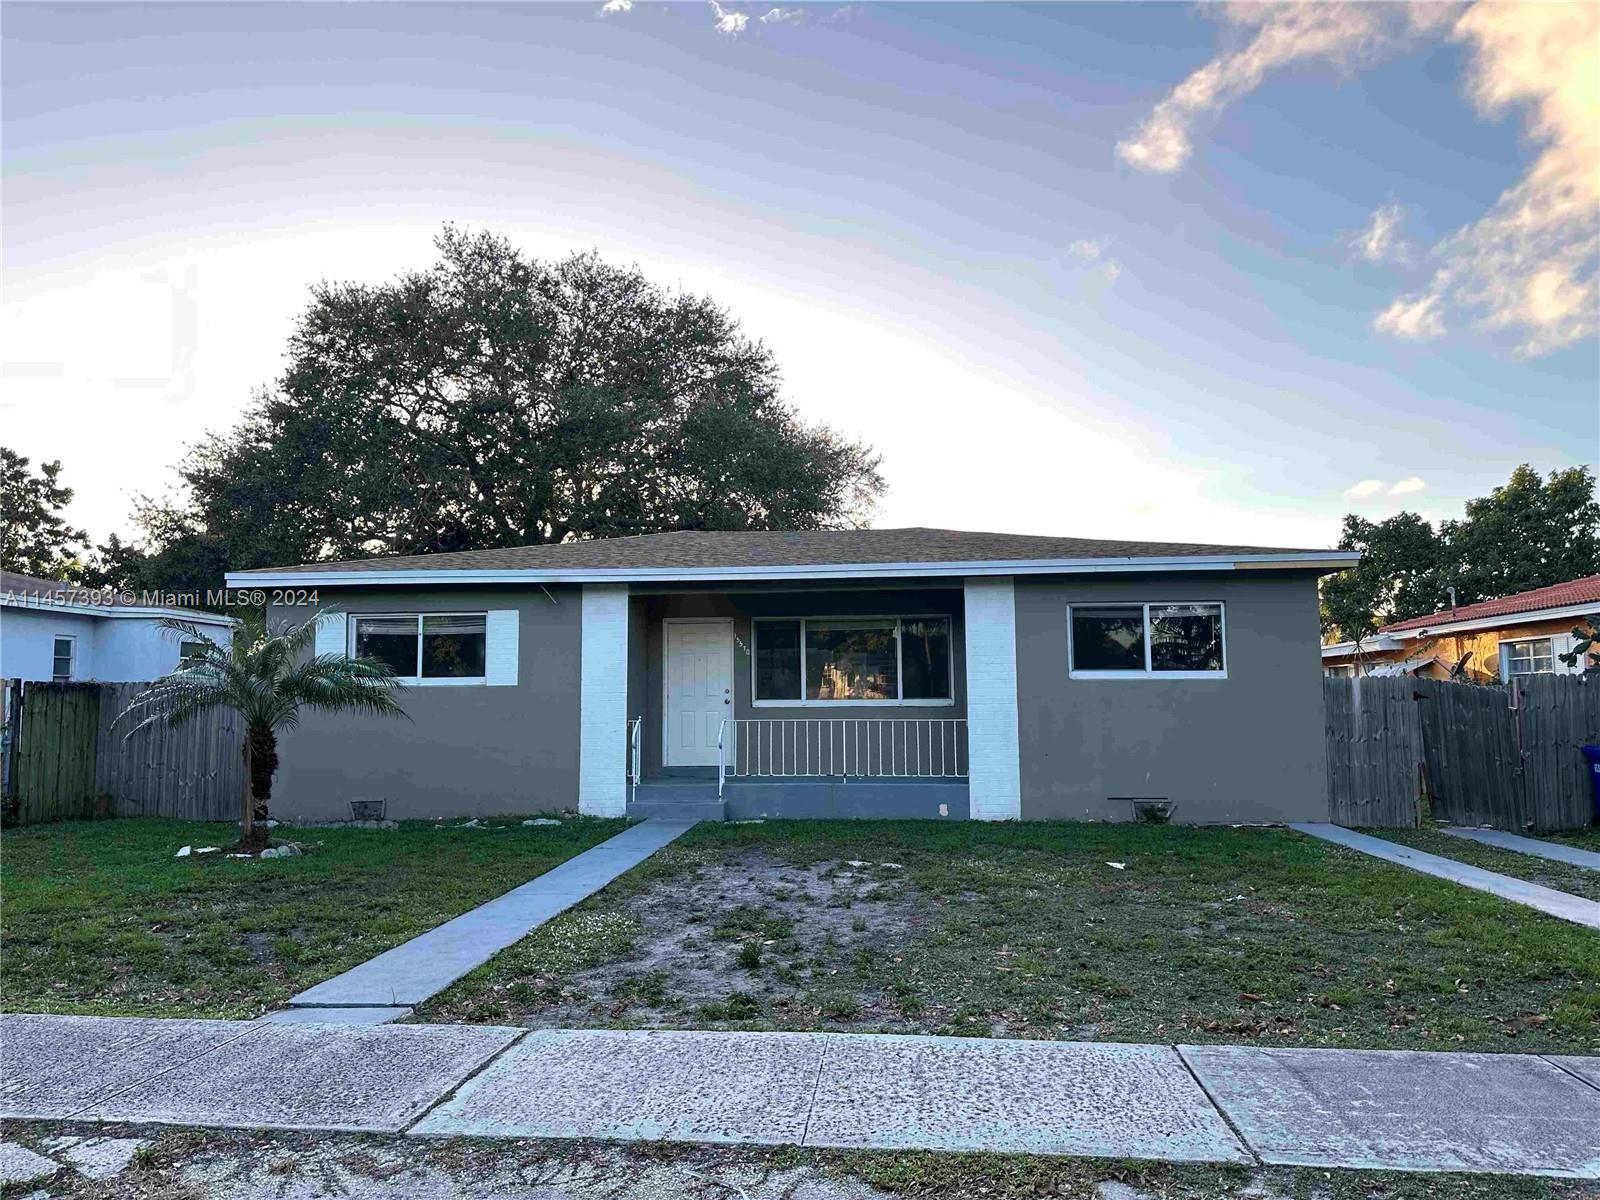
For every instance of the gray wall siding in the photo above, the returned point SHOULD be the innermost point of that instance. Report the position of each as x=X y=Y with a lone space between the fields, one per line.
x=1248 y=748
x=467 y=751
x=645 y=692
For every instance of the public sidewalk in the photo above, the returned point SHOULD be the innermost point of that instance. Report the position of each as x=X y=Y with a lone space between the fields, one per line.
x=1400 y=1110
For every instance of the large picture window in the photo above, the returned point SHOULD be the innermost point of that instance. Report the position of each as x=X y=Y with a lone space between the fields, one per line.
x=426 y=647
x=853 y=660
x=1146 y=640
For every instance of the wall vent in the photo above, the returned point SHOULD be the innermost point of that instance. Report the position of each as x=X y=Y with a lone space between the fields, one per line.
x=1151 y=810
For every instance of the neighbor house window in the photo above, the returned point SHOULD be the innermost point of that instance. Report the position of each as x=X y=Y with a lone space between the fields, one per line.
x=427 y=647
x=1126 y=640
x=853 y=660
x=61 y=660
x=1535 y=656
x=189 y=649
x=1345 y=671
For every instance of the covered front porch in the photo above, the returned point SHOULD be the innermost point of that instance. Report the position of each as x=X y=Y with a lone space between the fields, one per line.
x=758 y=701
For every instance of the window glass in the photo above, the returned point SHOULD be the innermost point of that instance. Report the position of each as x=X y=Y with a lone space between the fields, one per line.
x=851 y=660
x=1186 y=637
x=1532 y=657
x=188 y=649
x=925 y=658
x=390 y=640
x=452 y=647
x=777 y=660
x=61 y=666
x=1108 y=638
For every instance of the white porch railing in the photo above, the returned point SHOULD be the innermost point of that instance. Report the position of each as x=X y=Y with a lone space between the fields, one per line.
x=892 y=747
x=635 y=755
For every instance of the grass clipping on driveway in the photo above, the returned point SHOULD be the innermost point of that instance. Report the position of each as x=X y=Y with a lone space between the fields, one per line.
x=100 y=918
x=1201 y=935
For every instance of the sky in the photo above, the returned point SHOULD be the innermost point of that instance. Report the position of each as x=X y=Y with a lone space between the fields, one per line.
x=1161 y=272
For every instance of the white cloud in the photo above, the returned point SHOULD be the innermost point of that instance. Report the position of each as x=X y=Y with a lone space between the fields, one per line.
x=1085 y=248
x=729 y=22
x=1415 y=318
x=1112 y=271
x=1284 y=33
x=1528 y=266
x=778 y=16
x=1380 y=240
x=616 y=6
x=1370 y=489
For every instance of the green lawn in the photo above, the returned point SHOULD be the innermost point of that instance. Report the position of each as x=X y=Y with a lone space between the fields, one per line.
x=1577 y=881
x=1584 y=839
x=1237 y=935
x=99 y=917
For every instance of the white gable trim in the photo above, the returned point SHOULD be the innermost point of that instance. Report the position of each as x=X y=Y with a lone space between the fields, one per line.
x=994 y=753
x=603 y=702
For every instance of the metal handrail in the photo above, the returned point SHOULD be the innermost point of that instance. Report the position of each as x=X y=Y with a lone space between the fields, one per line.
x=635 y=728
x=722 y=760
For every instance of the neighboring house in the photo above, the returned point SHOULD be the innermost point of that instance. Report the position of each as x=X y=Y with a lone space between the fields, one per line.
x=888 y=672
x=59 y=631
x=1524 y=634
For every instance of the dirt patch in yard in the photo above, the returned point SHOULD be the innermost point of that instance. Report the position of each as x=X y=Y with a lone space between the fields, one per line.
x=743 y=939
x=1091 y=933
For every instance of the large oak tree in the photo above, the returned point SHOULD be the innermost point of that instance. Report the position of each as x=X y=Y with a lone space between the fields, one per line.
x=495 y=400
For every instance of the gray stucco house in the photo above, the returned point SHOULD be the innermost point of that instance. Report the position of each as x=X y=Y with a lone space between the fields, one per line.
x=881 y=672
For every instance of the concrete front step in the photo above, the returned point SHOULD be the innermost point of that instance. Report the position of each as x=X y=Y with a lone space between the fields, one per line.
x=670 y=808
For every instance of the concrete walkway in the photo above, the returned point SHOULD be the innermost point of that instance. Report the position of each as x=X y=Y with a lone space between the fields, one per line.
x=1554 y=851
x=1402 y=1110
x=1546 y=900
x=383 y=988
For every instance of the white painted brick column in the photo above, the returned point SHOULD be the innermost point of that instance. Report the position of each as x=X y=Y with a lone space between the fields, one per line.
x=993 y=751
x=603 y=701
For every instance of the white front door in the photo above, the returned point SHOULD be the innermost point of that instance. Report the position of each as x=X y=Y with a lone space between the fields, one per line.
x=699 y=690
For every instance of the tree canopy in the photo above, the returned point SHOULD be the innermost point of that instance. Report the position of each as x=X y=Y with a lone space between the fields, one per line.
x=1528 y=533
x=34 y=537
x=495 y=400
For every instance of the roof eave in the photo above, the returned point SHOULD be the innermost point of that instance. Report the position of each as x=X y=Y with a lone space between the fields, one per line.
x=288 y=577
x=1516 y=618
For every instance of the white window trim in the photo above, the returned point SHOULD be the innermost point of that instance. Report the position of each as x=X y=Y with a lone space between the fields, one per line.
x=899 y=674
x=72 y=656
x=1149 y=672
x=1507 y=674
x=419 y=680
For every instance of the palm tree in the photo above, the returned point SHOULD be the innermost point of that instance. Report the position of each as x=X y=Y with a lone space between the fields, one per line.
x=265 y=677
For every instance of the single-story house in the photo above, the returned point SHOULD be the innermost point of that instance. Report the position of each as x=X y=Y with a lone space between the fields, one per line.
x=1522 y=634
x=873 y=673
x=60 y=632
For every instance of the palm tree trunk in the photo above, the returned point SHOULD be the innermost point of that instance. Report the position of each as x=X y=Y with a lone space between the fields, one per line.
x=246 y=808
x=261 y=755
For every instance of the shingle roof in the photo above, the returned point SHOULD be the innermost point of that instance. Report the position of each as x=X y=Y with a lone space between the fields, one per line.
x=14 y=583
x=696 y=549
x=1557 y=595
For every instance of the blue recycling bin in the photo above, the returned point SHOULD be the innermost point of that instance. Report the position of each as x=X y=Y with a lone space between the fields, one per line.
x=1592 y=753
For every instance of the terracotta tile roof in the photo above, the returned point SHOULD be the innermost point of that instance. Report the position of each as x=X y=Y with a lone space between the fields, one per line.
x=1557 y=595
x=696 y=549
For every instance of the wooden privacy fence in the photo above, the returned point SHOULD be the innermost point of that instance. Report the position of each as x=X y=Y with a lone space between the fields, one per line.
x=1510 y=756
x=70 y=759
